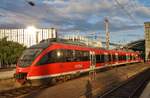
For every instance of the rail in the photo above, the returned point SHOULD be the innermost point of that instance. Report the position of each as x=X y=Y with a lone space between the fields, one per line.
x=130 y=88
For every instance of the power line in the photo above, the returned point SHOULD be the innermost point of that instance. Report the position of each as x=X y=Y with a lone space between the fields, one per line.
x=134 y=3
x=127 y=13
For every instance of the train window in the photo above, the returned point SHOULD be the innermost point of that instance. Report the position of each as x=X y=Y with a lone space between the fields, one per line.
x=135 y=57
x=102 y=60
x=109 y=57
x=77 y=55
x=124 y=57
x=114 y=57
x=52 y=57
x=55 y=56
x=64 y=56
x=98 y=59
x=44 y=60
x=120 y=57
x=86 y=56
x=81 y=55
x=68 y=55
x=130 y=57
x=106 y=58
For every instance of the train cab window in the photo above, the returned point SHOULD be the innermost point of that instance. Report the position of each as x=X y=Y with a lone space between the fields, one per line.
x=28 y=57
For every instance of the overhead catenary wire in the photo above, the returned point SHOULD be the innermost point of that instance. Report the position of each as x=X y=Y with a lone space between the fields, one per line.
x=127 y=13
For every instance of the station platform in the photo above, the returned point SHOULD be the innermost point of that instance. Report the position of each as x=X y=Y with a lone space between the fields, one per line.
x=6 y=74
x=146 y=92
x=83 y=87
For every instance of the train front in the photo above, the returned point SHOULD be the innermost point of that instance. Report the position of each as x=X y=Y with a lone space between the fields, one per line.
x=24 y=64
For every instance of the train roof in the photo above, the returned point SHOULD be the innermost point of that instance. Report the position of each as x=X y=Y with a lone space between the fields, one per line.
x=40 y=45
x=45 y=43
x=63 y=41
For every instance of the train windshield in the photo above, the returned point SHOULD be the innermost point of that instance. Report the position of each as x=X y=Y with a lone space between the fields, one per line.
x=28 y=56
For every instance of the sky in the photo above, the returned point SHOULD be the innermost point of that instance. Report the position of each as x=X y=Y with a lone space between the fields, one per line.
x=126 y=17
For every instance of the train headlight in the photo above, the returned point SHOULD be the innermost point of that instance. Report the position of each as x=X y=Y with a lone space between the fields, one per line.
x=58 y=53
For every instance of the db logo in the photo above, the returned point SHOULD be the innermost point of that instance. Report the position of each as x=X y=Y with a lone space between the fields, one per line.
x=78 y=66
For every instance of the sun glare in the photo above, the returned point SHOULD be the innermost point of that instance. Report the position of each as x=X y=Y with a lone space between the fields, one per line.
x=31 y=30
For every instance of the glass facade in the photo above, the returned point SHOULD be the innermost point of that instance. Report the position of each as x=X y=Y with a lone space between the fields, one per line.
x=27 y=38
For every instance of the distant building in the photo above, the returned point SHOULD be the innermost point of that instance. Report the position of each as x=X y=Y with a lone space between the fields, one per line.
x=28 y=37
x=89 y=42
x=147 y=41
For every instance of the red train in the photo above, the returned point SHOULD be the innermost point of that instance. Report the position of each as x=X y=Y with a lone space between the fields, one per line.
x=57 y=59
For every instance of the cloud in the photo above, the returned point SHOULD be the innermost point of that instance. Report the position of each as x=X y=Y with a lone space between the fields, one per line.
x=76 y=15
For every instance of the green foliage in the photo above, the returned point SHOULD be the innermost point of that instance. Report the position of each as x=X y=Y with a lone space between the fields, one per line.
x=10 y=51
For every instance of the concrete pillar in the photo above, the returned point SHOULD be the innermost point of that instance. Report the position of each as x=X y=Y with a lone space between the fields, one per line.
x=147 y=40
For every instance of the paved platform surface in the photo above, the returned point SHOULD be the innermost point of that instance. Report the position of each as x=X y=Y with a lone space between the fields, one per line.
x=7 y=74
x=83 y=88
x=146 y=92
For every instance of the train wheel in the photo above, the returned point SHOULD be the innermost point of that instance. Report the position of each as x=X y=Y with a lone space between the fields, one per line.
x=68 y=77
x=64 y=78
x=53 y=80
x=22 y=81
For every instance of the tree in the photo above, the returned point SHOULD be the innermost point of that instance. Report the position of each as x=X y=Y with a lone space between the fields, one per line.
x=9 y=52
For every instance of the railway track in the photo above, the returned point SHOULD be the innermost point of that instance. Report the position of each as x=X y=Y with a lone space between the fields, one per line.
x=131 y=88
x=21 y=91
x=17 y=92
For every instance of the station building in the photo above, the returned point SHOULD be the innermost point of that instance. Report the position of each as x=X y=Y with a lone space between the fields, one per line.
x=28 y=36
x=87 y=41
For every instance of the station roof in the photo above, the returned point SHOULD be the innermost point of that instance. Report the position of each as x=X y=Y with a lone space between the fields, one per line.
x=138 y=45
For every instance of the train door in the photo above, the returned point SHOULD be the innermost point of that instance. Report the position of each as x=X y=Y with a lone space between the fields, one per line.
x=92 y=71
x=92 y=60
x=127 y=57
x=116 y=58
